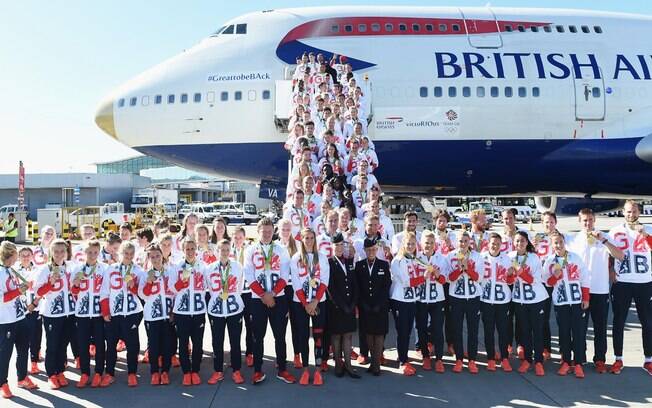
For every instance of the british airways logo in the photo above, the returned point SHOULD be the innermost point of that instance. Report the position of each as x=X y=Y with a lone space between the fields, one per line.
x=523 y=64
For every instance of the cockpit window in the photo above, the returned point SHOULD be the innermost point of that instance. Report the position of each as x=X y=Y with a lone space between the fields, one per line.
x=228 y=30
x=241 y=29
x=219 y=30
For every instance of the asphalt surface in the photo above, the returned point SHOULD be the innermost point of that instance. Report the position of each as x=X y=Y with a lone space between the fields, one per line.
x=427 y=389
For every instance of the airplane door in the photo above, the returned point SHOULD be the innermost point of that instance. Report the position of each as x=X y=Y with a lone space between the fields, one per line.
x=589 y=99
x=482 y=28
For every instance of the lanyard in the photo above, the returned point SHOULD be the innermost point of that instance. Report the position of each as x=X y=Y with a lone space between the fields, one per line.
x=224 y=277
x=268 y=255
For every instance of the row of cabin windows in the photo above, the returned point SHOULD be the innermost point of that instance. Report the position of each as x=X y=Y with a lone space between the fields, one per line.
x=403 y=27
x=481 y=91
x=494 y=92
x=549 y=29
x=196 y=98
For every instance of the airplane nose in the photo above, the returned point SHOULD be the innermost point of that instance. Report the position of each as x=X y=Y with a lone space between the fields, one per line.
x=104 y=117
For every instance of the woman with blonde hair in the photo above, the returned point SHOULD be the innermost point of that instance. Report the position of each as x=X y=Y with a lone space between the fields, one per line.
x=41 y=251
x=57 y=308
x=206 y=251
x=310 y=274
x=13 y=326
x=403 y=295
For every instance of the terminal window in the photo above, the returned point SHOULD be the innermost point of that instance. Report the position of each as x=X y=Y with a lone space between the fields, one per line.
x=266 y=94
x=362 y=28
x=158 y=99
x=508 y=92
x=389 y=27
x=237 y=95
x=535 y=92
x=429 y=27
x=402 y=27
x=375 y=27
x=416 y=27
x=585 y=29
x=121 y=102
x=184 y=98
x=452 y=92
x=494 y=91
x=456 y=27
x=547 y=29
x=335 y=28
x=423 y=92
x=479 y=92
x=572 y=29
x=597 y=29
x=443 y=28
x=224 y=96
x=197 y=97
x=466 y=91
x=522 y=92
x=348 y=28
x=170 y=99
x=438 y=92
x=132 y=101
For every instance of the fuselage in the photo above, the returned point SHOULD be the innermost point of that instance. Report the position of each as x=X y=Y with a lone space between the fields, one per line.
x=463 y=101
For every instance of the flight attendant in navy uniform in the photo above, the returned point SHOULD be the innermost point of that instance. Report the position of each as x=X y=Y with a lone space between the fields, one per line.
x=374 y=282
x=341 y=322
x=13 y=325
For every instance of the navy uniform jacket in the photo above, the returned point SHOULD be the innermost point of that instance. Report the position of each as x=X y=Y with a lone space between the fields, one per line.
x=373 y=301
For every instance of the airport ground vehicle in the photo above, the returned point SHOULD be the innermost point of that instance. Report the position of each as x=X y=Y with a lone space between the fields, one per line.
x=237 y=212
x=205 y=212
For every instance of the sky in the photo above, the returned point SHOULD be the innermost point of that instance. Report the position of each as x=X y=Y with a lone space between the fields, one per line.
x=58 y=58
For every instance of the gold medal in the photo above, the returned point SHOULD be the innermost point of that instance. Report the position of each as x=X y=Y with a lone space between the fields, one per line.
x=557 y=267
x=590 y=239
x=515 y=264
x=187 y=271
x=79 y=275
x=128 y=278
x=224 y=295
x=443 y=235
x=313 y=283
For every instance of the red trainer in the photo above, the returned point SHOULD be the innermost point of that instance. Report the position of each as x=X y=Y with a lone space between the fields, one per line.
x=215 y=378
x=354 y=355
x=538 y=369
x=156 y=379
x=83 y=381
x=408 y=370
x=62 y=380
x=194 y=377
x=305 y=377
x=297 y=361
x=249 y=360
x=579 y=371
x=316 y=379
x=6 y=392
x=617 y=367
x=600 y=367
x=525 y=366
x=473 y=368
x=324 y=366
x=427 y=364
x=286 y=377
x=34 y=369
x=648 y=367
x=563 y=369
x=439 y=366
x=363 y=360
x=132 y=380
x=97 y=380
x=27 y=384
x=258 y=377
x=507 y=367
x=491 y=365
x=165 y=378
x=187 y=380
x=458 y=367
x=107 y=379
x=54 y=382
x=237 y=377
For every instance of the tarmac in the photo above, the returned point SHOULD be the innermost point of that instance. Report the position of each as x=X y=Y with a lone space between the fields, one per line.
x=633 y=387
